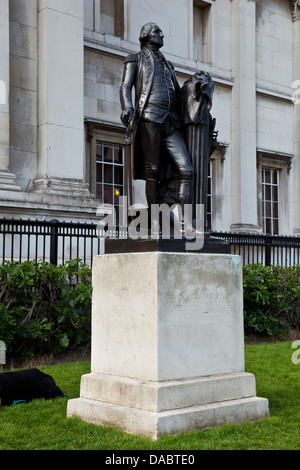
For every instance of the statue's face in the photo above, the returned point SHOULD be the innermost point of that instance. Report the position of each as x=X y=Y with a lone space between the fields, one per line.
x=155 y=36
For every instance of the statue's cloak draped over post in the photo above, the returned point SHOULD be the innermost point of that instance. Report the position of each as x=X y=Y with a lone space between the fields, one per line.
x=199 y=130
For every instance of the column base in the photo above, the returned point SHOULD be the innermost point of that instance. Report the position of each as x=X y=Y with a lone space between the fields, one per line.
x=246 y=228
x=154 y=409
x=61 y=186
x=7 y=182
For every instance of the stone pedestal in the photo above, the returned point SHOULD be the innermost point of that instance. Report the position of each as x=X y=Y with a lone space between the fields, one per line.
x=167 y=345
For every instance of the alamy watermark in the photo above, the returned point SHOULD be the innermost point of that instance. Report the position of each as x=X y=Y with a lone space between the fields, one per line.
x=136 y=222
x=296 y=93
x=296 y=354
x=2 y=92
x=2 y=352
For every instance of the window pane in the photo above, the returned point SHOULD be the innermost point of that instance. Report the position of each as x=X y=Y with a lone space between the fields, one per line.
x=275 y=193
x=118 y=191
x=268 y=228
x=268 y=209
x=268 y=193
x=107 y=153
x=99 y=194
x=99 y=173
x=209 y=185
x=118 y=174
x=208 y=205
x=267 y=174
x=209 y=196
x=118 y=155
x=275 y=210
x=108 y=174
x=108 y=194
x=275 y=178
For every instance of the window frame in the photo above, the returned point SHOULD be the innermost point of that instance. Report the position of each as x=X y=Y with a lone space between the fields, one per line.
x=107 y=134
x=209 y=197
x=119 y=18
x=281 y=162
x=110 y=167
x=206 y=41
x=269 y=202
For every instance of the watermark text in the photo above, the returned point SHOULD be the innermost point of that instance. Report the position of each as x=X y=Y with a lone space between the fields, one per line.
x=2 y=352
x=2 y=92
x=296 y=354
x=160 y=220
x=296 y=92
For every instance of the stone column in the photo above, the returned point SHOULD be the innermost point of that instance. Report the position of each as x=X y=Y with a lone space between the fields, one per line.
x=243 y=120
x=7 y=179
x=61 y=98
x=296 y=84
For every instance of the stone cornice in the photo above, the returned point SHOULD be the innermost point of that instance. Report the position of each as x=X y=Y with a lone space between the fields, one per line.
x=295 y=6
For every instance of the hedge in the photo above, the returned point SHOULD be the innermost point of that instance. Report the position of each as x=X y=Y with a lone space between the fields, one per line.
x=271 y=299
x=46 y=309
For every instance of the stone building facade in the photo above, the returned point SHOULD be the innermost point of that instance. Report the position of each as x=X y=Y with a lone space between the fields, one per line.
x=61 y=141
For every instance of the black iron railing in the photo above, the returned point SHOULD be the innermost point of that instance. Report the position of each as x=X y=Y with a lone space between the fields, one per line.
x=264 y=249
x=52 y=241
x=58 y=242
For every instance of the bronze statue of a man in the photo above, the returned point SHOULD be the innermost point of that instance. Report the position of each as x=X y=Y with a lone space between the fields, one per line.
x=159 y=149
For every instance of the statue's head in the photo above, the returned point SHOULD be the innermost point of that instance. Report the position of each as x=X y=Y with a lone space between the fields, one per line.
x=151 y=34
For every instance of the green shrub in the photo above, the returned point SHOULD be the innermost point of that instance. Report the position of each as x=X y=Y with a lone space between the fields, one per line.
x=271 y=298
x=44 y=308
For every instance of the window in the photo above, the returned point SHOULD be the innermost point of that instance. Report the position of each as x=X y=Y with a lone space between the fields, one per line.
x=209 y=197
x=112 y=17
x=109 y=172
x=105 y=161
x=202 y=31
x=270 y=201
x=273 y=191
x=104 y=16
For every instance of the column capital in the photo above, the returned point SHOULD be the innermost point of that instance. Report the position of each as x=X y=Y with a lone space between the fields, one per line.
x=295 y=7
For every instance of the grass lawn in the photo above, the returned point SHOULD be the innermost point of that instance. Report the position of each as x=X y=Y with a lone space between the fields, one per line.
x=42 y=425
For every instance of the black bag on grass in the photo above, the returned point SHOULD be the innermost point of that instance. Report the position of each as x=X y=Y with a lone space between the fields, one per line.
x=26 y=385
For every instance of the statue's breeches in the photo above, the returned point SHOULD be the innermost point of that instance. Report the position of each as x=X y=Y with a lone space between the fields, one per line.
x=158 y=138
